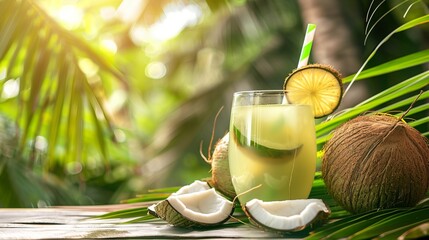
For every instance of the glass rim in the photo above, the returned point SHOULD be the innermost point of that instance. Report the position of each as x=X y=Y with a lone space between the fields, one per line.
x=258 y=92
x=266 y=94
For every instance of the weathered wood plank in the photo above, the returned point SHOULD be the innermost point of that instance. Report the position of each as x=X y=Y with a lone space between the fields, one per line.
x=60 y=223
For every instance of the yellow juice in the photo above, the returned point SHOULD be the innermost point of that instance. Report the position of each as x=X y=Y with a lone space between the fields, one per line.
x=272 y=151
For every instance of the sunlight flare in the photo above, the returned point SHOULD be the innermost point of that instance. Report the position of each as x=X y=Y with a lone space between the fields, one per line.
x=176 y=18
x=156 y=70
x=70 y=16
x=10 y=89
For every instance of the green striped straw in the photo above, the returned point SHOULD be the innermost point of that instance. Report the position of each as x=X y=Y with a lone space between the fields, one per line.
x=306 y=46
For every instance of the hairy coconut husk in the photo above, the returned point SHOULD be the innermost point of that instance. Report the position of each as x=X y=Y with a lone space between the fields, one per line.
x=221 y=177
x=376 y=162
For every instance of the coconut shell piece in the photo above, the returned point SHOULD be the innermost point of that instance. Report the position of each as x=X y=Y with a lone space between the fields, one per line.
x=376 y=162
x=151 y=210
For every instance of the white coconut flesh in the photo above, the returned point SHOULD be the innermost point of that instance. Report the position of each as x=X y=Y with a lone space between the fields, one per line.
x=196 y=186
x=288 y=215
x=205 y=207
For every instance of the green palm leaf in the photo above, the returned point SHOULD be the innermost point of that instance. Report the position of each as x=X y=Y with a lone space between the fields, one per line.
x=407 y=220
x=390 y=222
x=389 y=95
x=126 y=213
x=415 y=83
x=55 y=95
x=347 y=226
x=406 y=26
x=404 y=62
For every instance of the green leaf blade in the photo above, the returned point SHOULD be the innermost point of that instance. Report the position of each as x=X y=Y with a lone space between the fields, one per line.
x=411 y=60
x=393 y=222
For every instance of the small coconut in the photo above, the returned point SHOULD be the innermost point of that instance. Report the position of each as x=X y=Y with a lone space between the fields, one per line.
x=192 y=206
x=287 y=215
x=221 y=177
x=376 y=162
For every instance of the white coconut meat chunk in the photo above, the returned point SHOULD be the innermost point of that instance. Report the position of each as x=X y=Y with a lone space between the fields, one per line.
x=196 y=186
x=206 y=207
x=288 y=215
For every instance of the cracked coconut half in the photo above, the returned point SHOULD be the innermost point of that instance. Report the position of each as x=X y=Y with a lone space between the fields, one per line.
x=287 y=215
x=192 y=206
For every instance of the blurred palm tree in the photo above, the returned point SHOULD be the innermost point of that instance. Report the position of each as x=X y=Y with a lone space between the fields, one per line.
x=122 y=120
x=48 y=88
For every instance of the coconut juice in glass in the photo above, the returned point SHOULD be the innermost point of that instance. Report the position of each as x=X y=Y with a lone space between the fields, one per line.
x=272 y=147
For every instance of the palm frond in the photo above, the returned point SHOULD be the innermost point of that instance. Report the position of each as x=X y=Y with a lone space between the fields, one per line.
x=126 y=213
x=390 y=96
x=398 y=64
x=369 y=29
x=55 y=96
x=23 y=188
x=410 y=24
x=386 y=223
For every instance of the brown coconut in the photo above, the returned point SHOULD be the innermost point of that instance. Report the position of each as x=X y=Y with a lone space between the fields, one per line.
x=376 y=162
x=221 y=177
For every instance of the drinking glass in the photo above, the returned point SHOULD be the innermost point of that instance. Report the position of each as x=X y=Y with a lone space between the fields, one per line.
x=272 y=147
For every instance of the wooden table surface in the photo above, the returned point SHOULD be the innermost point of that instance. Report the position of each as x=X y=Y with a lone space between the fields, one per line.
x=79 y=223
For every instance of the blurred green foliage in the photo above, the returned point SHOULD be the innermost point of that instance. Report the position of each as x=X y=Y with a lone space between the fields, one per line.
x=111 y=98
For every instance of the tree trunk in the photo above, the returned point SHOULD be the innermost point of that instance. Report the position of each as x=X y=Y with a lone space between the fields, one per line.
x=333 y=43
